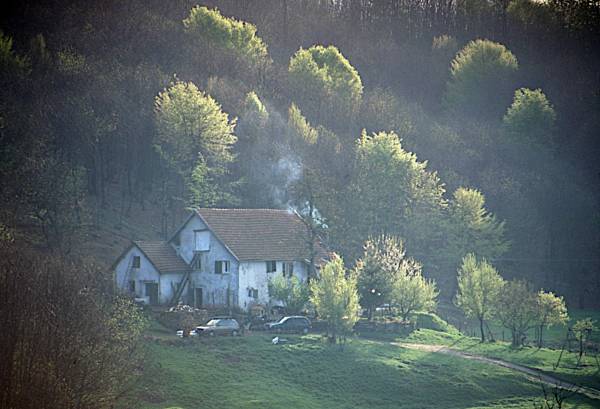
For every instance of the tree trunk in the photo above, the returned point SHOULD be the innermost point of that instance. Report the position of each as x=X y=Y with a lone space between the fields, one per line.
x=481 y=329
x=541 y=340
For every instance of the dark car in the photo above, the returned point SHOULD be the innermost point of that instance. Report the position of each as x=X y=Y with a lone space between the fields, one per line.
x=290 y=324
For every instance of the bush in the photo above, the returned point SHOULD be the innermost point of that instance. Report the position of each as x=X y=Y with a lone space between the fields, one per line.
x=433 y=322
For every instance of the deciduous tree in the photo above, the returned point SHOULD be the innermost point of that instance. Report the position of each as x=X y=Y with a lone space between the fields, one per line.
x=335 y=297
x=195 y=139
x=292 y=292
x=516 y=309
x=471 y=228
x=326 y=86
x=229 y=35
x=377 y=270
x=411 y=291
x=390 y=191
x=479 y=286
x=481 y=80
x=530 y=119
x=551 y=310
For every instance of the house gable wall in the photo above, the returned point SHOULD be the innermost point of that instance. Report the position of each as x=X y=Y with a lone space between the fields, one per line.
x=216 y=288
x=147 y=273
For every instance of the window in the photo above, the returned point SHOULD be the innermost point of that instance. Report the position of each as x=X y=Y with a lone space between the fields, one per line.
x=136 y=262
x=271 y=266
x=221 y=267
x=201 y=240
x=288 y=269
x=253 y=293
x=132 y=286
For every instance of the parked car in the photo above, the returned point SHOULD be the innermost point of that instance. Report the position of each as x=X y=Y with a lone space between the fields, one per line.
x=290 y=324
x=218 y=326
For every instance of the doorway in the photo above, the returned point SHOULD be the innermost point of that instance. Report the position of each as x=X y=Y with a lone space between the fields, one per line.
x=152 y=293
x=198 y=297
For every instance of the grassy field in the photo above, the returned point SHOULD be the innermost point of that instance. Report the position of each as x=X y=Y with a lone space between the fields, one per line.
x=250 y=372
x=554 y=336
x=545 y=359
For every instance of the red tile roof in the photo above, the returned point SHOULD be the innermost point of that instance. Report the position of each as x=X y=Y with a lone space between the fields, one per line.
x=262 y=234
x=162 y=256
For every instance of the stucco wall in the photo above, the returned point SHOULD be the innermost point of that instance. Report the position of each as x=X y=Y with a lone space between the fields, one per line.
x=214 y=286
x=146 y=273
x=168 y=284
x=253 y=274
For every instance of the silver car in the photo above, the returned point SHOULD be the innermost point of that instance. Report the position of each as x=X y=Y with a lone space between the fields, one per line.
x=219 y=326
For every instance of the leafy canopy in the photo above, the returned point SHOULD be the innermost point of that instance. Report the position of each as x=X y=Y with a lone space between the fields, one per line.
x=479 y=286
x=335 y=297
x=552 y=309
x=472 y=229
x=391 y=191
x=530 y=118
x=481 y=77
x=516 y=309
x=191 y=123
x=377 y=270
x=324 y=80
x=236 y=36
x=411 y=291
x=292 y=292
x=300 y=128
x=195 y=138
x=255 y=110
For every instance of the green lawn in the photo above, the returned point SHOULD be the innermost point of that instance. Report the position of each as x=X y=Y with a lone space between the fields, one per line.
x=554 y=336
x=587 y=374
x=250 y=372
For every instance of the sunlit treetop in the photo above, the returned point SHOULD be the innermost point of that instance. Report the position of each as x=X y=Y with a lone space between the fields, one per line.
x=325 y=80
x=254 y=110
x=481 y=80
x=191 y=123
x=473 y=228
x=224 y=32
x=531 y=117
x=300 y=127
x=253 y=103
x=444 y=42
x=469 y=205
x=479 y=55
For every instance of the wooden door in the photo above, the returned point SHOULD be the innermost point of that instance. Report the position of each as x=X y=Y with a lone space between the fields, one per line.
x=152 y=293
x=198 y=297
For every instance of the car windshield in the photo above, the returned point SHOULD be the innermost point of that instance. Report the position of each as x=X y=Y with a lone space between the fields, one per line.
x=284 y=319
x=212 y=323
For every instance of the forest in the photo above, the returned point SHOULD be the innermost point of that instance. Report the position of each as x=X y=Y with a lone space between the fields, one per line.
x=458 y=126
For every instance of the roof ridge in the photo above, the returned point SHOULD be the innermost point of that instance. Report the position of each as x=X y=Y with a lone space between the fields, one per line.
x=237 y=209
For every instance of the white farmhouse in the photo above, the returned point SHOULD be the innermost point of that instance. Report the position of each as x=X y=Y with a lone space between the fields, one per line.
x=219 y=257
